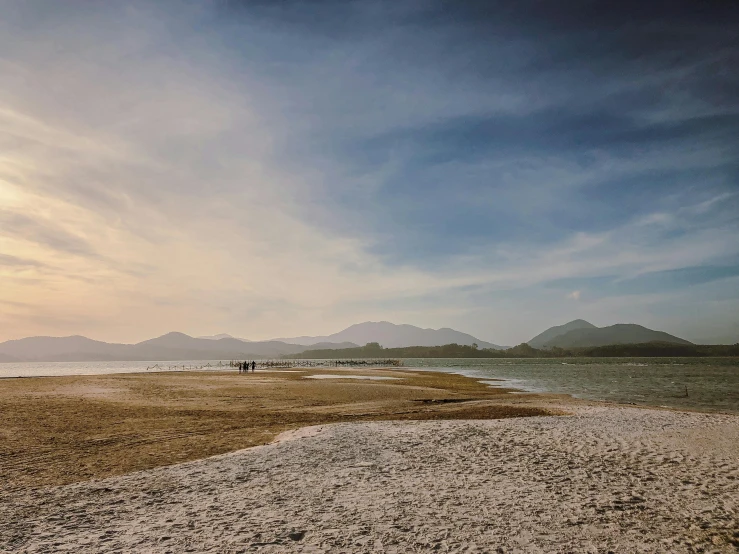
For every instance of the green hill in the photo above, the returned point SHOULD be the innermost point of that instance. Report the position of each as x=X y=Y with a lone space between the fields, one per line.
x=541 y=339
x=622 y=333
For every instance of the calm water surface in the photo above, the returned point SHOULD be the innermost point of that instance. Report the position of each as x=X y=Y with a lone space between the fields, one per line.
x=55 y=369
x=712 y=383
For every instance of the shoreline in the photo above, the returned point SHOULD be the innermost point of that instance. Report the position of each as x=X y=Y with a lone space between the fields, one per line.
x=461 y=372
x=712 y=383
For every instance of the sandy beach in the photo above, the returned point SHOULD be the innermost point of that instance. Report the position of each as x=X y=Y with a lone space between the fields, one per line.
x=603 y=478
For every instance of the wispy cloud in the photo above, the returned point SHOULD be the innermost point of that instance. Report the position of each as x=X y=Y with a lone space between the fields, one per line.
x=277 y=168
x=43 y=232
x=16 y=262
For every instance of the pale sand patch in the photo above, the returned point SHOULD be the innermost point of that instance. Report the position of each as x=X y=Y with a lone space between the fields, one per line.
x=269 y=370
x=605 y=479
x=294 y=434
x=366 y=377
x=85 y=391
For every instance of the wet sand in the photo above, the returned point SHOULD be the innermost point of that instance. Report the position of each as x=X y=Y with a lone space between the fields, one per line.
x=59 y=430
x=604 y=478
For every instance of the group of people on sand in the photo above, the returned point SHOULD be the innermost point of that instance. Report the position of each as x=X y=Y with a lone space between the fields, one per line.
x=244 y=367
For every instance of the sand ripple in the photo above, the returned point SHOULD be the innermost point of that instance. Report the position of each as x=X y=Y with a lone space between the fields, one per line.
x=606 y=479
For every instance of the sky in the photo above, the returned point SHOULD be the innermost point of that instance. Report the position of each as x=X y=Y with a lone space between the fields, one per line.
x=281 y=168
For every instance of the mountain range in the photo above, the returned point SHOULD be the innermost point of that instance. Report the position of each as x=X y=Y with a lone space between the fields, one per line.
x=172 y=346
x=178 y=346
x=391 y=335
x=580 y=333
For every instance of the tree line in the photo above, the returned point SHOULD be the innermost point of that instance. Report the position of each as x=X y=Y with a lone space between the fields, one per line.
x=645 y=350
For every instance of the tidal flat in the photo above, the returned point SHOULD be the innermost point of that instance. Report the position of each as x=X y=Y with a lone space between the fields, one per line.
x=59 y=430
x=284 y=463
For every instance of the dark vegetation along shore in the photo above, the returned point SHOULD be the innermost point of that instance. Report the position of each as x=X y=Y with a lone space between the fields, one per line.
x=648 y=349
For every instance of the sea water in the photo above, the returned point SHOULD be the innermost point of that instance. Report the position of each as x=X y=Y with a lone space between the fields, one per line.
x=57 y=369
x=705 y=384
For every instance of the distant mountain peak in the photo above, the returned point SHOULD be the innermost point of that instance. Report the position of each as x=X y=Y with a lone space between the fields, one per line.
x=542 y=338
x=392 y=335
x=175 y=334
x=579 y=322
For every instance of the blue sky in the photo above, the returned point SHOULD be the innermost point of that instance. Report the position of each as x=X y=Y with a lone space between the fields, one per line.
x=286 y=168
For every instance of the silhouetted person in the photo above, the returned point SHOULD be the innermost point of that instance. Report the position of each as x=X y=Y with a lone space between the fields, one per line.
x=253 y=366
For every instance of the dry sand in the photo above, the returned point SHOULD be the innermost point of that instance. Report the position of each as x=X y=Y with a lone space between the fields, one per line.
x=606 y=478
